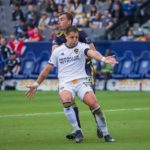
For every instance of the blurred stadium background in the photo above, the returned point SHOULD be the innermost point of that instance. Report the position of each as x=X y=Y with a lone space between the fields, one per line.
x=121 y=27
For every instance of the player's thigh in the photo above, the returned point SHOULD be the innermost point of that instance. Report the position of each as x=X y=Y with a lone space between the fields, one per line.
x=66 y=93
x=90 y=100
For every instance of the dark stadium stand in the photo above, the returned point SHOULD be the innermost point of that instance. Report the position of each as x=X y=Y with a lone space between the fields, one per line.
x=1 y=63
x=125 y=67
x=142 y=66
x=132 y=64
x=148 y=75
x=32 y=66
x=40 y=63
x=28 y=66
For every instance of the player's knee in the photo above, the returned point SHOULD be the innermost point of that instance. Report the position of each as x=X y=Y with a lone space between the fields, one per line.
x=93 y=105
x=65 y=96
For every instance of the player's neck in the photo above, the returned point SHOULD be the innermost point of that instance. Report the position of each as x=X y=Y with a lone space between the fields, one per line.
x=70 y=46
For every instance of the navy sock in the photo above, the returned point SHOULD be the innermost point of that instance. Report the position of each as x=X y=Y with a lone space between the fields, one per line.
x=77 y=115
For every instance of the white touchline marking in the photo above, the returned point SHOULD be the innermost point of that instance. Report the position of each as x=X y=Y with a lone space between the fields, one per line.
x=57 y=113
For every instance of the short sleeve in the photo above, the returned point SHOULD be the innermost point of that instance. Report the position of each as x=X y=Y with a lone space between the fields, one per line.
x=53 y=59
x=85 y=47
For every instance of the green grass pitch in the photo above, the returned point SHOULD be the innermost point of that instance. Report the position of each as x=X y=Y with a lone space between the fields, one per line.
x=40 y=124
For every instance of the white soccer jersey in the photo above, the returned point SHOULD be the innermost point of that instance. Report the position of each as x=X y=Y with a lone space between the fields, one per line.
x=70 y=62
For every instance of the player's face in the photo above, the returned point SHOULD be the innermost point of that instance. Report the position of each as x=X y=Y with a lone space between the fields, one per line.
x=72 y=39
x=3 y=41
x=63 y=22
x=13 y=56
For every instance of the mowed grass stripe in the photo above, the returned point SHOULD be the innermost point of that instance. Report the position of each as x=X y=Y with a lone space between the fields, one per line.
x=127 y=115
x=58 y=113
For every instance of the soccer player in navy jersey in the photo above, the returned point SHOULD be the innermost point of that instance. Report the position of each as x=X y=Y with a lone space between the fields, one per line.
x=65 y=20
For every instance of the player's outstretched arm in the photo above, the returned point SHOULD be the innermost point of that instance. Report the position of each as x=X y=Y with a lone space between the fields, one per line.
x=96 y=55
x=33 y=88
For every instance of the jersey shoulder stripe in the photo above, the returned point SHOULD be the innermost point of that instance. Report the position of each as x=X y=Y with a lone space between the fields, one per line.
x=60 y=33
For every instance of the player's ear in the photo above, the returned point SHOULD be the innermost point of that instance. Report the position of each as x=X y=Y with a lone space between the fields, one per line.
x=66 y=38
x=69 y=23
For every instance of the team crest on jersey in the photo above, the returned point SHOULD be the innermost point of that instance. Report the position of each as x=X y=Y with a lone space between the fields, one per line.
x=76 y=51
x=62 y=53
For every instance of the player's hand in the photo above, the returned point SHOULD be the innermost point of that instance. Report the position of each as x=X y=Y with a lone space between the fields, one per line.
x=32 y=90
x=111 y=60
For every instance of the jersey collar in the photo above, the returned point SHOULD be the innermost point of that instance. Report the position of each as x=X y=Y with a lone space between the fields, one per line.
x=70 y=47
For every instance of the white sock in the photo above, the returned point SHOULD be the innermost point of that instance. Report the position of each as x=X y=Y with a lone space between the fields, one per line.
x=101 y=121
x=102 y=124
x=70 y=114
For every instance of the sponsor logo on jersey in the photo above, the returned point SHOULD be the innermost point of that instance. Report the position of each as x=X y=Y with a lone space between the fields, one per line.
x=68 y=59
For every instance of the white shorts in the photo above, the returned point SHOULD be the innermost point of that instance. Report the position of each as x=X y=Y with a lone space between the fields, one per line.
x=77 y=87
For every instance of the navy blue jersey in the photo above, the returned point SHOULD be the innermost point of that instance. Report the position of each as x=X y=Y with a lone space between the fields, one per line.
x=4 y=51
x=60 y=38
x=12 y=66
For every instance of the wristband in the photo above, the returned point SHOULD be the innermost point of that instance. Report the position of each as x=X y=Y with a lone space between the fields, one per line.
x=36 y=84
x=103 y=59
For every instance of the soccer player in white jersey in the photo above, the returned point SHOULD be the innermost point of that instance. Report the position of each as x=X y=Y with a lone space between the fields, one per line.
x=70 y=60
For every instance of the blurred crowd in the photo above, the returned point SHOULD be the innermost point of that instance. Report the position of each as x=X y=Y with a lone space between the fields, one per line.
x=37 y=20
x=33 y=18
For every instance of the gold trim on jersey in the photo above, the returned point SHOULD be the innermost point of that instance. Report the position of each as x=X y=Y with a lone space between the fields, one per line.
x=74 y=81
x=60 y=33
